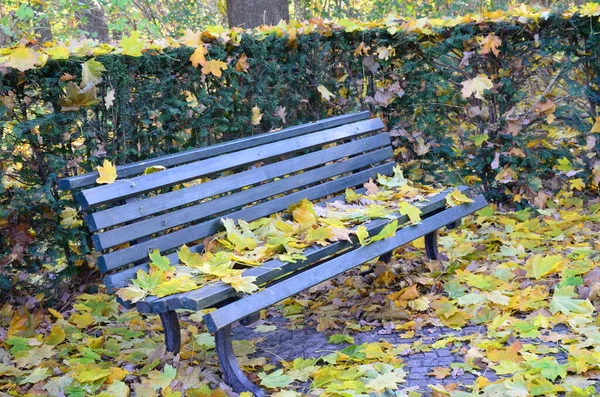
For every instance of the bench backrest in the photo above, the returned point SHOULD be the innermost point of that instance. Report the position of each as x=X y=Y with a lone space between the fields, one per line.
x=243 y=179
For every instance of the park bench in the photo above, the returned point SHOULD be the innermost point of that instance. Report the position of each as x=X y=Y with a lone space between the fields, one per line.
x=317 y=161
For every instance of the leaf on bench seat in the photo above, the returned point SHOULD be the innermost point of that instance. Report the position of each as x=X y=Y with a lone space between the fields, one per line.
x=241 y=284
x=413 y=213
x=455 y=198
x=107 y=172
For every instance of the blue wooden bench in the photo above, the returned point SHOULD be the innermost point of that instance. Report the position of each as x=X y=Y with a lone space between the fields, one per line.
x=139 y=213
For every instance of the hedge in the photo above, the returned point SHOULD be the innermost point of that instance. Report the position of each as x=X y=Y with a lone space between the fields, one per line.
x=507 y=104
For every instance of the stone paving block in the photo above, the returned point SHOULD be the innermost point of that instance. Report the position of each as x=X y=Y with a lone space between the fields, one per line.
x=444 y=353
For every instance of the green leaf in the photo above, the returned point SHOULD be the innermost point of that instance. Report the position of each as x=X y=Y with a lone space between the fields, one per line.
x=153 y=169
x=387 y=231
x=91 y=72
x=319 y=235
x=37 y=375
x=265 y=328
x=205 y=339
x=397 y=180
x=275 y=379
x=479 y=139
x=549 y=368
x=341 y=338
x=454 y=289
x=160 y=262
x=362 y=234
x=147 y=281
x=562 y=301
x=160 y=380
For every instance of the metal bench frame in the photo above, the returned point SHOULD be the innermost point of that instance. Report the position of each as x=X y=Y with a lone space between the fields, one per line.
x=147 y=213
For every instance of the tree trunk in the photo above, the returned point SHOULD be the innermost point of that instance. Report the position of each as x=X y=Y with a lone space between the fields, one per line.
x=43 y=28
x=95 y=22
x=249 y=14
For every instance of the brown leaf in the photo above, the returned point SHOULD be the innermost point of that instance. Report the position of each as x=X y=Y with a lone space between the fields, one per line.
x=76 y=97
x=439 y=372
x=242 y=64
x=281 y=113
x=371 y=187
x=24 y=323
x=547 y=107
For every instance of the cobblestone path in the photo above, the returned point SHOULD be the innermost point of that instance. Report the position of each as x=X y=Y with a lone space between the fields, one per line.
x=284 y=344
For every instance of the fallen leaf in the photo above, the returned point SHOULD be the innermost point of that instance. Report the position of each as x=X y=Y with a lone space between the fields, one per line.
x=22 y=58
x=242 y=64
x=107 y=173
x=476 y=86
x=76 y=98
x=325 y=93
x=490 y=44
x=198 y=56
x=91 y=72
x=440 y=372
x=214 y=67
x=256 y=115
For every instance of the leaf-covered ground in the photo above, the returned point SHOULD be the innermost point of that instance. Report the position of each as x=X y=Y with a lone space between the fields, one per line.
x=524 y=284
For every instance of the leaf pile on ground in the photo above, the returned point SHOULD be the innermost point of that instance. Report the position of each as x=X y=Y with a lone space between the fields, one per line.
x=528 y=279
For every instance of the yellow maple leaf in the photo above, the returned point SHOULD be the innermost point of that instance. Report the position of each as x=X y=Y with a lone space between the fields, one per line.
x=241 y=284
x=191 y=38
x=198 y=57
x=362 y=49
x=58 y=52
x=325 y=93
x=132 y=293
x=69 y=218
x=132 y=45
x=455 y=198
x=413 y=213
x=577 y=184
x=490 y=44
x=256 y=115
x=242 y=64
x=477 y=86
x=214 y=67
x=22 y=58
x=590 y=10
x=108 y=173
x=596 y=126
x=362 y=234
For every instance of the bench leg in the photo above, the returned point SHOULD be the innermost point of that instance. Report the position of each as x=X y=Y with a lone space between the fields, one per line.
x=431 y=245
x=387 y=257
x=251 y=319
x=233 y=374
x=453 y=225
x=170 y=324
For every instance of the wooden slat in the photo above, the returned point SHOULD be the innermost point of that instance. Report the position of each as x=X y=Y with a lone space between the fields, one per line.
x=175 y=239
x=129 y=170
x=210 y=295
x=124 y=188
x=229 y=202
x=255 y=302
x=166 y=201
